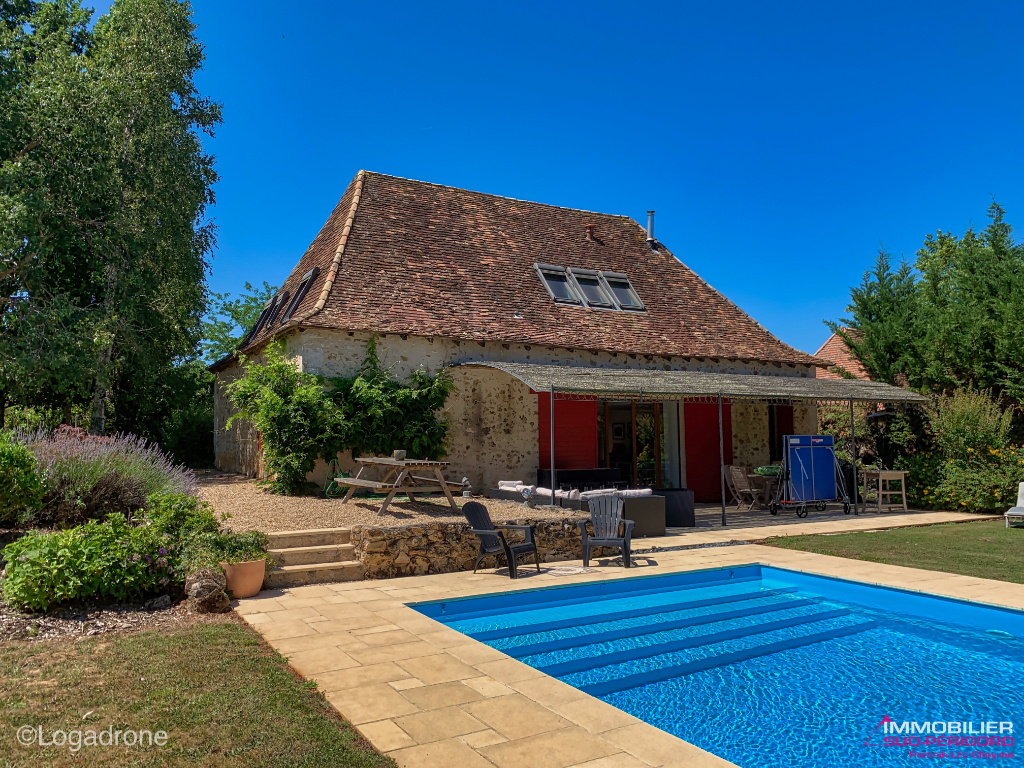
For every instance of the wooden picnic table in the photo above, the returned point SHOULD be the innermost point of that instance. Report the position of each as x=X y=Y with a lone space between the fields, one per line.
x=405 y=482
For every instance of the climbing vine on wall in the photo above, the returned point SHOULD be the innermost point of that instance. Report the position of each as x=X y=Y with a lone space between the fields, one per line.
x=382 y=414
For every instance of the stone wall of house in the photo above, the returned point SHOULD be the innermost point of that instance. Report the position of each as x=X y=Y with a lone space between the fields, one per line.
x=494 y=417
x=447 y=547
x=750 y=434
x=805 y=419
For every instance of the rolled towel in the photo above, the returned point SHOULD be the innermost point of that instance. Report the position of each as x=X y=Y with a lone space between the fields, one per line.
x=574 y=493
x=509 y=484
x=600 y=492
x=635 y=493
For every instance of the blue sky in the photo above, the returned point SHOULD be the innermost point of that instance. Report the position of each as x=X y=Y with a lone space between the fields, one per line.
x=780 y=143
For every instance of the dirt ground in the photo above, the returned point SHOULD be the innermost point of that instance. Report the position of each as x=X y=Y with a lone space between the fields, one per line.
x=252 y=508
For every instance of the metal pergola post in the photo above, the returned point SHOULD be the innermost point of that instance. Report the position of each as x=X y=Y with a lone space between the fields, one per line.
x=552 y=445
x=853 y=449
x=721 y=455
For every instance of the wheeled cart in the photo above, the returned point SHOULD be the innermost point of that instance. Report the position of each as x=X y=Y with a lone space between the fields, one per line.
x=810 y=476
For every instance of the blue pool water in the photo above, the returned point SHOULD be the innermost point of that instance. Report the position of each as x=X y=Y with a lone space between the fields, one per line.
x=768 y=667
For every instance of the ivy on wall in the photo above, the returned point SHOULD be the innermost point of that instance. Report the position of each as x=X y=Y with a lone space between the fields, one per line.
x=302 y=417
x=383 y=415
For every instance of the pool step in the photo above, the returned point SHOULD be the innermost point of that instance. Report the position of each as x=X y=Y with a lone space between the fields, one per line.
x=721 y=660
x=451 y=612
x=649 y=651
x=577 y=641
x=602 y=618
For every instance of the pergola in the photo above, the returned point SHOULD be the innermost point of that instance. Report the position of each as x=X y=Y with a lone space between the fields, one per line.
x=638 y=384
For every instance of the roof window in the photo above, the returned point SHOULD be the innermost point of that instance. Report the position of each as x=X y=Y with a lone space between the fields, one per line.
x=300 y=294
x=558 y=283
x=594 y=293
x=589 y=288
x=622 y=291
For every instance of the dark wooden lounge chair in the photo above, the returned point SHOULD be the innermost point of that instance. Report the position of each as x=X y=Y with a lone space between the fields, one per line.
x=493 y=541
x=610 y=530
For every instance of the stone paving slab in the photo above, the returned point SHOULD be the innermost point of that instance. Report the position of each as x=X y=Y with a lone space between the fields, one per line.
x=429 y=696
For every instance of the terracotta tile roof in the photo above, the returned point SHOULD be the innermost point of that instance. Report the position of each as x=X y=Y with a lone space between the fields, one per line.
x=430 y=260
x=834 y=350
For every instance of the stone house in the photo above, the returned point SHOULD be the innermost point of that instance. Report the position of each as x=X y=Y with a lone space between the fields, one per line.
x=448 y=277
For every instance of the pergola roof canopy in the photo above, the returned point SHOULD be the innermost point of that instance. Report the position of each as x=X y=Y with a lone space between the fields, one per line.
x=633 y=383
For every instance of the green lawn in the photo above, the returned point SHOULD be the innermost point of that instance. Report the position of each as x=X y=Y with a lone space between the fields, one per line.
x=986 y=549
x=222 y=695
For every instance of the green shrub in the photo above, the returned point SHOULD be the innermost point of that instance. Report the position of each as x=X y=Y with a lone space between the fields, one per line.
x=181 y=515
x=297 y=419
x=924 y=476
x=968 y=423
x=111 y=559
x=21 y=491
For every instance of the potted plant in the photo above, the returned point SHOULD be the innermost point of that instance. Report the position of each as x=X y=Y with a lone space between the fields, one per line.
x=244 y=559
x=242 y=556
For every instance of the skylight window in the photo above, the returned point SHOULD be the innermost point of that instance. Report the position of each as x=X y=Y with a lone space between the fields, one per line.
x=622 y=291
x=594 y=293
x=557 y=283
x=300 y=294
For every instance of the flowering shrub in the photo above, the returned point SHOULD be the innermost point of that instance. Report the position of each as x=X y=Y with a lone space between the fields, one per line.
x=85 y=476
x=984 y=481
x=21 y=492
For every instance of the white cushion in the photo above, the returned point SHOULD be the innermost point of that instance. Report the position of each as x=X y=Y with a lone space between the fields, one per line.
x=1020 y=495
x=509 y=484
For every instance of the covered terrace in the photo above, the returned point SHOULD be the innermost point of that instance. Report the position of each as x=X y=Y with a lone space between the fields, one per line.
x=688 y=407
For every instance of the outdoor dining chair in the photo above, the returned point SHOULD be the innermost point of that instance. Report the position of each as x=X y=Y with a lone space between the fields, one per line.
x=493 y=541
x=744 y=490
x=610 y=530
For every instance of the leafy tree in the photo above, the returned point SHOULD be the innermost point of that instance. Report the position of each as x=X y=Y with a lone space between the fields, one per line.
x=104 y=186
x=880 y=329
x=229 y=321
x=957 y=322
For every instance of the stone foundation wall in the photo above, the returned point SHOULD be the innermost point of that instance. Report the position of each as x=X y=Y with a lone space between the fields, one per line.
x=448 y=547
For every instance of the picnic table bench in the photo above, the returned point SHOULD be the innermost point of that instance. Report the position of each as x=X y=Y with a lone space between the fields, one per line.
x=405 y=482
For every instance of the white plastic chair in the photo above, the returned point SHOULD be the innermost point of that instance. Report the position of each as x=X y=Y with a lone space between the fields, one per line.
x=1017 y=513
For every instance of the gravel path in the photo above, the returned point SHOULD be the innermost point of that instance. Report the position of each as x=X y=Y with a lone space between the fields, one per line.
x=251 y=508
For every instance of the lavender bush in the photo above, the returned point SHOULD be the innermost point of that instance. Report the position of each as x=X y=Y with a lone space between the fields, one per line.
x=86 y=476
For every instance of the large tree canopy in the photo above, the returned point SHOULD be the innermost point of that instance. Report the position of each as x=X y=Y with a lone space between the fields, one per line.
x=104 y=187
x=956 y=321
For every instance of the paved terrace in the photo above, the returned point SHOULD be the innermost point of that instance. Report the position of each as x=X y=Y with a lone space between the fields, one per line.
x=432 y=697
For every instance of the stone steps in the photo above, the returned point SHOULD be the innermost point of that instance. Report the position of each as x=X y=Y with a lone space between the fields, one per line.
x=330 y=553
x=312 y=557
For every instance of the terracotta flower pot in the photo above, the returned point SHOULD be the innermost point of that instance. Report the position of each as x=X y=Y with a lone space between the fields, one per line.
x=245 y=579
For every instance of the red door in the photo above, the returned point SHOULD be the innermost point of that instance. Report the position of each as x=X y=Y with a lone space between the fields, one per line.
x=703 y=472
x=575 y=433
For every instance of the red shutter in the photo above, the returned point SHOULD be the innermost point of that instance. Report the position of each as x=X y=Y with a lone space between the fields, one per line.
x=575 y=433
x=703 y=473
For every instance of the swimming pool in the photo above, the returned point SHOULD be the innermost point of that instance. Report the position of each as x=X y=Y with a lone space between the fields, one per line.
x=769 y=667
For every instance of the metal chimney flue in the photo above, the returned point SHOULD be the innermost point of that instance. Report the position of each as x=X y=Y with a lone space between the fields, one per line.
x=650 y=226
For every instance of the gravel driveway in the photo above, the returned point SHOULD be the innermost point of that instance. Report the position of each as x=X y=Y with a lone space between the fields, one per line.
x=251 y=508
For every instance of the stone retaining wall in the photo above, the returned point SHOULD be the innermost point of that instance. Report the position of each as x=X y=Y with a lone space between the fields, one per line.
x=446 y=547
